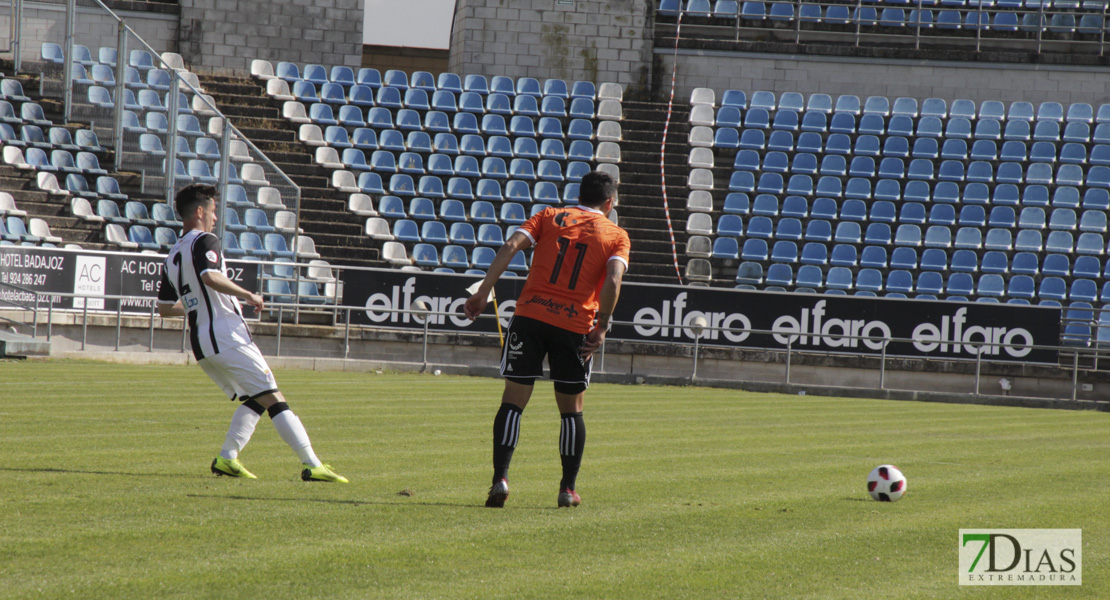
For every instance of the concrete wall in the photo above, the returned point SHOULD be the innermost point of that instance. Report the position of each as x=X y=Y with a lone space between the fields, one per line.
x=877 y=77
x=45 y=22
x=223 y=36
x=593 y=40
x=214 y=36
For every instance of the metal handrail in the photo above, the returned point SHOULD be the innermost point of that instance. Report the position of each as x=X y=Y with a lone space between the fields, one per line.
x=177 y=84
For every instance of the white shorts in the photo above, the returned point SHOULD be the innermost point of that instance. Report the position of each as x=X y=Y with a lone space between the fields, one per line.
x=240 y=371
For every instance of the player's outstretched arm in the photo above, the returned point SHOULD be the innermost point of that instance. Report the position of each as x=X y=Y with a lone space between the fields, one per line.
x=607 y=303
x=477 y=303
x=219 y=282
x=165 y=309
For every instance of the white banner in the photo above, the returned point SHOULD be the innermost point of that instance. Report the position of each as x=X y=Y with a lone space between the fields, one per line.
x=1021 y=557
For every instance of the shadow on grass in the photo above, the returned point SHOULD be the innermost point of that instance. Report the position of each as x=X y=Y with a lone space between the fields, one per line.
x=358 y=502
x=90 y=472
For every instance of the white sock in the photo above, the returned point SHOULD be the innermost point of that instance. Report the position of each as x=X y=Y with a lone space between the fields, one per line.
x=291 y=430
x=239 y=432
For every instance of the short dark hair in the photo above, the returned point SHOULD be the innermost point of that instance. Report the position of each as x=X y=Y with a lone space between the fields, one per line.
x=192 y=196
x=596 y=188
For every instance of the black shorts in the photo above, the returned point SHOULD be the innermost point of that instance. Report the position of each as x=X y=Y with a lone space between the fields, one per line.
x=529 y=340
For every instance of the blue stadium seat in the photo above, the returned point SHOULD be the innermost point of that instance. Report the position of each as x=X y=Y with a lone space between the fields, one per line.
x=518 y=191
x=810 y=142
x=467 y=166
x=455 y=257
x=255 y=219
x=766 y=205
x=959 y=284
x=843 y=255
x=1000 y=240
x=409 y=120
x=274 y=244
x=1059 y=241
x=754 y=249
x=425 y=255
x=726 y=248
x=250 y=244
x=490 y=235
x=788 y=229
x=934 y=259
x=908 y=234
x=1034 y=195
x=1094 y=221
x=554 y=106
x=912 y=212
x=422 y=209
x=795 y=206
x=848 y=232
x=1021 y=286
x=737 y=203
x=363 y=138
x=917 y=191
x=869 y=280
x=965 y=261
x=482 y=257
x=1087 y=267
x=815 y=122
x=873 y=257
x=818 y=230
x=1052 y=288
x=804 y=163
x=462 y=234
x=1029 y=240
x=489 y=190
x=995 y=262
x=814 y=253
x=903 y=258
x=829 y=186
x=1057 y=265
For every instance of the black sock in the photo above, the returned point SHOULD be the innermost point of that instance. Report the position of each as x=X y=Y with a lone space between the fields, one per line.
x=572 y=439
x=506 y=432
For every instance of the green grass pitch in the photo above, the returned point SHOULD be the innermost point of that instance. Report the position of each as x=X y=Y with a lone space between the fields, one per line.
x=687 y=493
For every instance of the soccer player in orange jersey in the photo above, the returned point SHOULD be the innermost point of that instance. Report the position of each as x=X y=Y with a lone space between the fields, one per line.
x=578 y=263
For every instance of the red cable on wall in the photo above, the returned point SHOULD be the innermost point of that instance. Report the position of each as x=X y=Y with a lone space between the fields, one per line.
x=663 y=150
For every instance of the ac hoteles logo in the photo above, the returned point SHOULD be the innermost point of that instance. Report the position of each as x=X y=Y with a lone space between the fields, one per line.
x=1021 y=557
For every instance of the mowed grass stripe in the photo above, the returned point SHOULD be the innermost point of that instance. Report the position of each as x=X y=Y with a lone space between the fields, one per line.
x=688 y=493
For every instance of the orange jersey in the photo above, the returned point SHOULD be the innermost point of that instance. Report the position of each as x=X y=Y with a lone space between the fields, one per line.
x=572 y=250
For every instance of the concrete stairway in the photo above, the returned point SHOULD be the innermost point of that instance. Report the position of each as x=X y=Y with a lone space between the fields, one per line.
x=641 y=197
x=19 y=345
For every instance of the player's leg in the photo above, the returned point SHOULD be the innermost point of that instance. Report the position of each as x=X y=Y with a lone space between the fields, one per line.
x=572 y=440
x=521 y=364
x=251 y=372
x=506 y=425
x=571 y=376
x=242 y=426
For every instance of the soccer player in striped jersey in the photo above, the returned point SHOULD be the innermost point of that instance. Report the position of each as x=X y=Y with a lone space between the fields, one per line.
x=194 y=286
x=578 y=263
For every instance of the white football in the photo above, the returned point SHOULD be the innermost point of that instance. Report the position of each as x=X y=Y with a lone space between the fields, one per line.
x=886 y=483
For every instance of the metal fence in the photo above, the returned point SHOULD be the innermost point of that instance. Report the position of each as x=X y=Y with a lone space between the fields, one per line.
x=984 y=25
x=1074 y=360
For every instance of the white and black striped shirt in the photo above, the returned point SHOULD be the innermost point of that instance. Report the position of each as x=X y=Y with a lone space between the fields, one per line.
x=215 y=319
